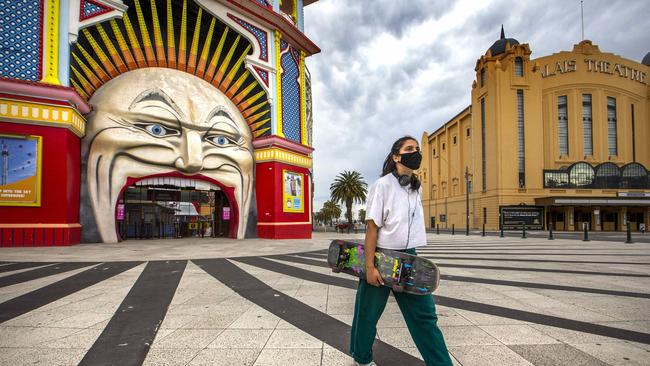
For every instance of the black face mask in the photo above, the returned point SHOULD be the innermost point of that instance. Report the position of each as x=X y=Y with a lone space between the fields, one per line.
x=411 y=160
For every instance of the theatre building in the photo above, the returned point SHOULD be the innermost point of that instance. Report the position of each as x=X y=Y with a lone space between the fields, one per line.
x=561 y=140
x=136 y=119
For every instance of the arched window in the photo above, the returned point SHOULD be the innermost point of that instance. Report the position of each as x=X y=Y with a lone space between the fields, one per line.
x=581 y=175
x=519 y=67
x=634 y=176
x=608 y=175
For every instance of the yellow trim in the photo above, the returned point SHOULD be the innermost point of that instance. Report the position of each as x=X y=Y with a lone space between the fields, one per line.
x=51 y=61
x=39 y=159
x=303 y=100
x=278 y=84
x=43 y=114
x=283 y=156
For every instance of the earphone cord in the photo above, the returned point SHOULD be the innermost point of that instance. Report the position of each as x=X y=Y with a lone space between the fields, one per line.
x=411 y=216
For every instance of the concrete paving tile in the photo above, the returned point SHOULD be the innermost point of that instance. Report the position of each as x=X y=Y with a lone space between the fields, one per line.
x=31 y=336
x=518 y=334
x=82 y=320
x=340 y=308
x=169 y=357
x=616 y=353
x=487 y=319
x=188 y=338
x=39 y=319
x=292 y=338
x=46 y=356
x=82 y=339
x=241 y=338
x=333 y=357
x=571 y=336
x=467 y=335
x=555 y=355
x=255 y=318
x=225 y=357
x=481 y=355
x=213 y=320
x=396 y=337
x=283 y=357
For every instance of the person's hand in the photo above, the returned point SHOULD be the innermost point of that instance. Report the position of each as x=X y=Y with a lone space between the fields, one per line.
x=373 y=277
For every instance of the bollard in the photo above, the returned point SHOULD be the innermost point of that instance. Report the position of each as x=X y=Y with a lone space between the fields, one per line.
x=467 y=231
x=453 y=229
x=629 y=235
x=586 y=233
x=483 y=233
x=550 y=232
x=438 y=229
x=523 y=231
x=501 y=233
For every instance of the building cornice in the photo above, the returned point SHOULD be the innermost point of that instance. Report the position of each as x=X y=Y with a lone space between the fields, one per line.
x=273 y=20
x=44 y=91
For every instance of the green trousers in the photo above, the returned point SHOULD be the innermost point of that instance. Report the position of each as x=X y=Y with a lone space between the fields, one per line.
x=419 y=311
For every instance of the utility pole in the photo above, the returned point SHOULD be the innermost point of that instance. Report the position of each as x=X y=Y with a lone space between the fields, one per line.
x=466 y=200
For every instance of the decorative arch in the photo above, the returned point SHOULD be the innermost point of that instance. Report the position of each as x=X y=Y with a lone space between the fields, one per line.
x=634 y=175
x=608 y=175
x=581 y=175
x=176 y=34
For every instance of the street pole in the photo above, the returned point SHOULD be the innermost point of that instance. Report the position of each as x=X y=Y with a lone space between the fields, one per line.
x=466 y=200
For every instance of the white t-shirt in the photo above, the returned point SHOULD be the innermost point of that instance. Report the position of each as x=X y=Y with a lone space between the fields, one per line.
x=397 y=211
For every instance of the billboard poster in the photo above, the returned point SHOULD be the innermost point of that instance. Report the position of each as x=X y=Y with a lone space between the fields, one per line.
x=20 y=170
x=513 y=217
x=292 y=192
x=225 y=213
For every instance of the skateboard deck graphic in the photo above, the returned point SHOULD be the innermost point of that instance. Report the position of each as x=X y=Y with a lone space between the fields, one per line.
x=401 y=271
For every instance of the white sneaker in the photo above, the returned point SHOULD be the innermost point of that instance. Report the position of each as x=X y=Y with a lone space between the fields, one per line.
x=372 y=363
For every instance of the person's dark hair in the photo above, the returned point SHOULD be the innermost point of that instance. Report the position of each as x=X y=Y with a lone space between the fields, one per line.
x=390 y=166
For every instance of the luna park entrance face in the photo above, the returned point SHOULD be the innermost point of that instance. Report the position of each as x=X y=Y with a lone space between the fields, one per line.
x=163 y=212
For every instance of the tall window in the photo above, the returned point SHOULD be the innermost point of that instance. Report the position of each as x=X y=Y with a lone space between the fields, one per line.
x=483 y=144
x=611 y=126
x=587 y=124
x=520 y=139
x=519 y=67
x=482 y=78
x=633 y=137
x=563 y=125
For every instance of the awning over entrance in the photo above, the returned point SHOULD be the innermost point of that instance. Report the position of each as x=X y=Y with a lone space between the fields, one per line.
x=592 y=201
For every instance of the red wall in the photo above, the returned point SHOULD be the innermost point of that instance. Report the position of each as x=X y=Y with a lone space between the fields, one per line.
x=59 y=192
x=269 y=203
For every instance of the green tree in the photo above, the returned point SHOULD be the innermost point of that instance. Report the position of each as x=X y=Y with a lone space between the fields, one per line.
x=348 y=188
x=362 y=216
x=330 y=211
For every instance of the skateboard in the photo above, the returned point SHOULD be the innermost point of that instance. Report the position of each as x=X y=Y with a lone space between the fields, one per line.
x=401 y=271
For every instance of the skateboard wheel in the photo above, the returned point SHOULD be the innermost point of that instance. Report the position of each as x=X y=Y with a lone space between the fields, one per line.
x=398 y=288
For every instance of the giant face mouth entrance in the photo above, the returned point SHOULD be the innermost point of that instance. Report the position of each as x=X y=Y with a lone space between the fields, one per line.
x=174 y=206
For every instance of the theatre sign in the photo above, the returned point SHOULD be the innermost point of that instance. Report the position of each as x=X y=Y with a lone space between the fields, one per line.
x=596 y=66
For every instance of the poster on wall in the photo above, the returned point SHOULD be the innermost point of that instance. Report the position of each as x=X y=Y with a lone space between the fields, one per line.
x=293 y=191
x=20 y=170
x=514 y=217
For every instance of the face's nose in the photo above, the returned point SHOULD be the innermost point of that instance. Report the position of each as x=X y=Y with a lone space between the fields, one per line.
x=191 y=159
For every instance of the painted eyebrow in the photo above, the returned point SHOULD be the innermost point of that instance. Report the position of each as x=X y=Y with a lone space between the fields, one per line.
x=156 y=95
x=219 y=112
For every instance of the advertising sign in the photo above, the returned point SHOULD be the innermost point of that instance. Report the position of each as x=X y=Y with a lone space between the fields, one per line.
x=120 y=212
x=20 y=170
x=514 y=217
x=292 y=192
x=225 y=215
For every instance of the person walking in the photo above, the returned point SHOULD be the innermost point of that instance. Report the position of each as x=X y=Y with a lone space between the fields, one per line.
x=395 y=220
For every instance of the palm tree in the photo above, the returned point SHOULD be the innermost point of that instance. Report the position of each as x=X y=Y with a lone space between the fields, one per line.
x=330 y=211
x=349 y=187
x=362 y=216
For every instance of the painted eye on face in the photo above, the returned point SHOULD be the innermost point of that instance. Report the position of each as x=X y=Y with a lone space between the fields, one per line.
x=157 y=130
x=220 y=140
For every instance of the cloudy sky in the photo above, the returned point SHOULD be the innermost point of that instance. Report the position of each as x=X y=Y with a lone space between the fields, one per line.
x=395 y=67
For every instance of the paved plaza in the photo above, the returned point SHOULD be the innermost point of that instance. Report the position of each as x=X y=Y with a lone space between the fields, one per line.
x=501 y=301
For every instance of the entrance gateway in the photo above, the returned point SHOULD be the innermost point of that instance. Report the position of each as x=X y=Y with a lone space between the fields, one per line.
x=173 y=207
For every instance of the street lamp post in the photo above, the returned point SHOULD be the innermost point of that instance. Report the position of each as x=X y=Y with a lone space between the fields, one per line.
x=466 y=201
